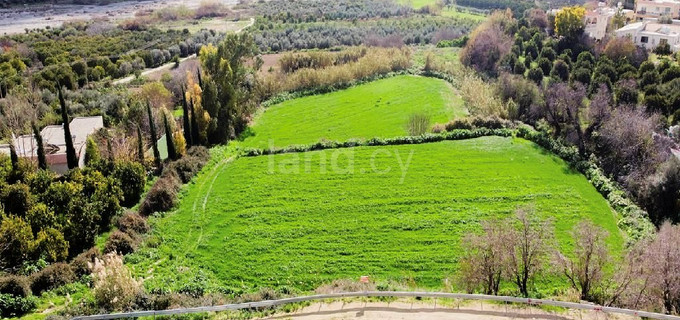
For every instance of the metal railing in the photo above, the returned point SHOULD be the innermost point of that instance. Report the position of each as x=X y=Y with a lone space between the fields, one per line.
x=385 y=294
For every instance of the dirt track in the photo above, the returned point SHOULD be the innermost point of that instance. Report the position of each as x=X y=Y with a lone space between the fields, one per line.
x=15 y=20
x=407 y=311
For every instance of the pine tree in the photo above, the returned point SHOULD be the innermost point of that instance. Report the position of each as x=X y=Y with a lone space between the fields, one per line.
x=154 y=139
x=169 y=139
x=195 y=136
x=71 y=158
x=42 y=158
x=186 y=121
x=140 y=145
x=91 y=152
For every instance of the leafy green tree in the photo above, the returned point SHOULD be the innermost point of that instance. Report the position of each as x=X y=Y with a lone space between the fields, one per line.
x=560 y=70
x=545 y=65
x=41 y=217
x=51 y=245
x=17 y=199
x=42 y=159
x=16 y=241
x=71 y=158
x=91 y=152
x=569 y=22
x=154 y=138
x=131 y=178
x=224 y=66
x=535 y=75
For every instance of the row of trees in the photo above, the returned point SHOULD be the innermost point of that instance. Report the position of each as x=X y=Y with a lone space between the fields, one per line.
x=589 y=96
x=407 y=31
x=517 y=250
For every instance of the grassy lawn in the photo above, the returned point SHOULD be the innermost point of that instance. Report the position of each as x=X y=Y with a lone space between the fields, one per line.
x=377 y=109
x=266 y=222
x=417 y=4
x=455 y=13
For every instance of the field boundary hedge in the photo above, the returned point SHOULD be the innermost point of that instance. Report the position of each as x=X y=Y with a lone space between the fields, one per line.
x=633 y=220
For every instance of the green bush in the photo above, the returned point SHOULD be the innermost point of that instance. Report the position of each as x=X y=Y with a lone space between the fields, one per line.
x=120 y=242
x=13 y=306
x=53 y=276
x=15 y=285
x=131 y=177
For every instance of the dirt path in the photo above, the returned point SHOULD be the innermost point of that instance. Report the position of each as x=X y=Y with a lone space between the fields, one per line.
x=169 y=65
x=17 y=19
x=407 y=311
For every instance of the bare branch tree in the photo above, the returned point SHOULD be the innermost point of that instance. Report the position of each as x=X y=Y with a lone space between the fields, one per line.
x=482 y=264
x=584 y=269
x=529 y=244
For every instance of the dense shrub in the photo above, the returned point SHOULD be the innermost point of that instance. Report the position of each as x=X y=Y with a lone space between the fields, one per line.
x=81 y=263
x=131 y=177
x=13 y=306
x=162 y=196
x=121 y=243
x=185 y=168
x=15 y=285
x=53 y=276
x=131 y=223
x=462 y=123
x=114 y=287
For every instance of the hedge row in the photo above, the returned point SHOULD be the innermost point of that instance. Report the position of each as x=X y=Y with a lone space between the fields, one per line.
x=633 y=220
x=426 y=138
x=285 y=96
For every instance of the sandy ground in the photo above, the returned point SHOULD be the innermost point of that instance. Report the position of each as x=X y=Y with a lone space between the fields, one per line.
x=407 y=311
x=16 y=20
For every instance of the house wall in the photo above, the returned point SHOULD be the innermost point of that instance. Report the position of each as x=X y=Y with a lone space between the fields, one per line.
x=645 y=8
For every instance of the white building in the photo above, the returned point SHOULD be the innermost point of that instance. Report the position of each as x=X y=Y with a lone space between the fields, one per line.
x=657 y=8
x=650 y=34
x=55 y=143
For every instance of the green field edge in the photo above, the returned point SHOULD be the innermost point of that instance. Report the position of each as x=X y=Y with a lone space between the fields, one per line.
x=632 y=220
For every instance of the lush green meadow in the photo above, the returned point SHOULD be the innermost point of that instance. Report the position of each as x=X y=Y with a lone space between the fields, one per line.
x=395 y=213
x=377 y=109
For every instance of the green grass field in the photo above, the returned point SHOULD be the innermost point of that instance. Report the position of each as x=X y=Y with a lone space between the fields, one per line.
x=377 y=109
x=297 y=220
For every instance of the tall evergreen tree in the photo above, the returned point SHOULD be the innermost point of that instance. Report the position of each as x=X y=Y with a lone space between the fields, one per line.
x=71 y=158
x=200 y=79
x=13 y=155
x=169 y=140
x=140 y=145
x=42 y=158
x=91 y=152
x=195 y=135
x=185 y=118
x=154 y=138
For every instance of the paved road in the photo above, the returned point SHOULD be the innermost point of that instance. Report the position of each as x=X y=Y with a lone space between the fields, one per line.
x=170 y=65
x=407 y=311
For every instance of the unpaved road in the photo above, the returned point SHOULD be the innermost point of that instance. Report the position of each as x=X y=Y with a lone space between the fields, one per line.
x=170 y=65
x=407 y=311
x=16 y=19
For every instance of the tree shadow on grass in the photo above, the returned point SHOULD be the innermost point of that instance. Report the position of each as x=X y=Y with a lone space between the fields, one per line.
x=568 y=169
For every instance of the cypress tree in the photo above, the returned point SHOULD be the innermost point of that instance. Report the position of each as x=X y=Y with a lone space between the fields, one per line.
x=195 y=136
x=154 y=139
x=185 y=118
x=71 y=158
x=169 y=140
x=140 y=145
x=91 y=152
x=13 y=155
x=42 y=158
x=200 y=80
